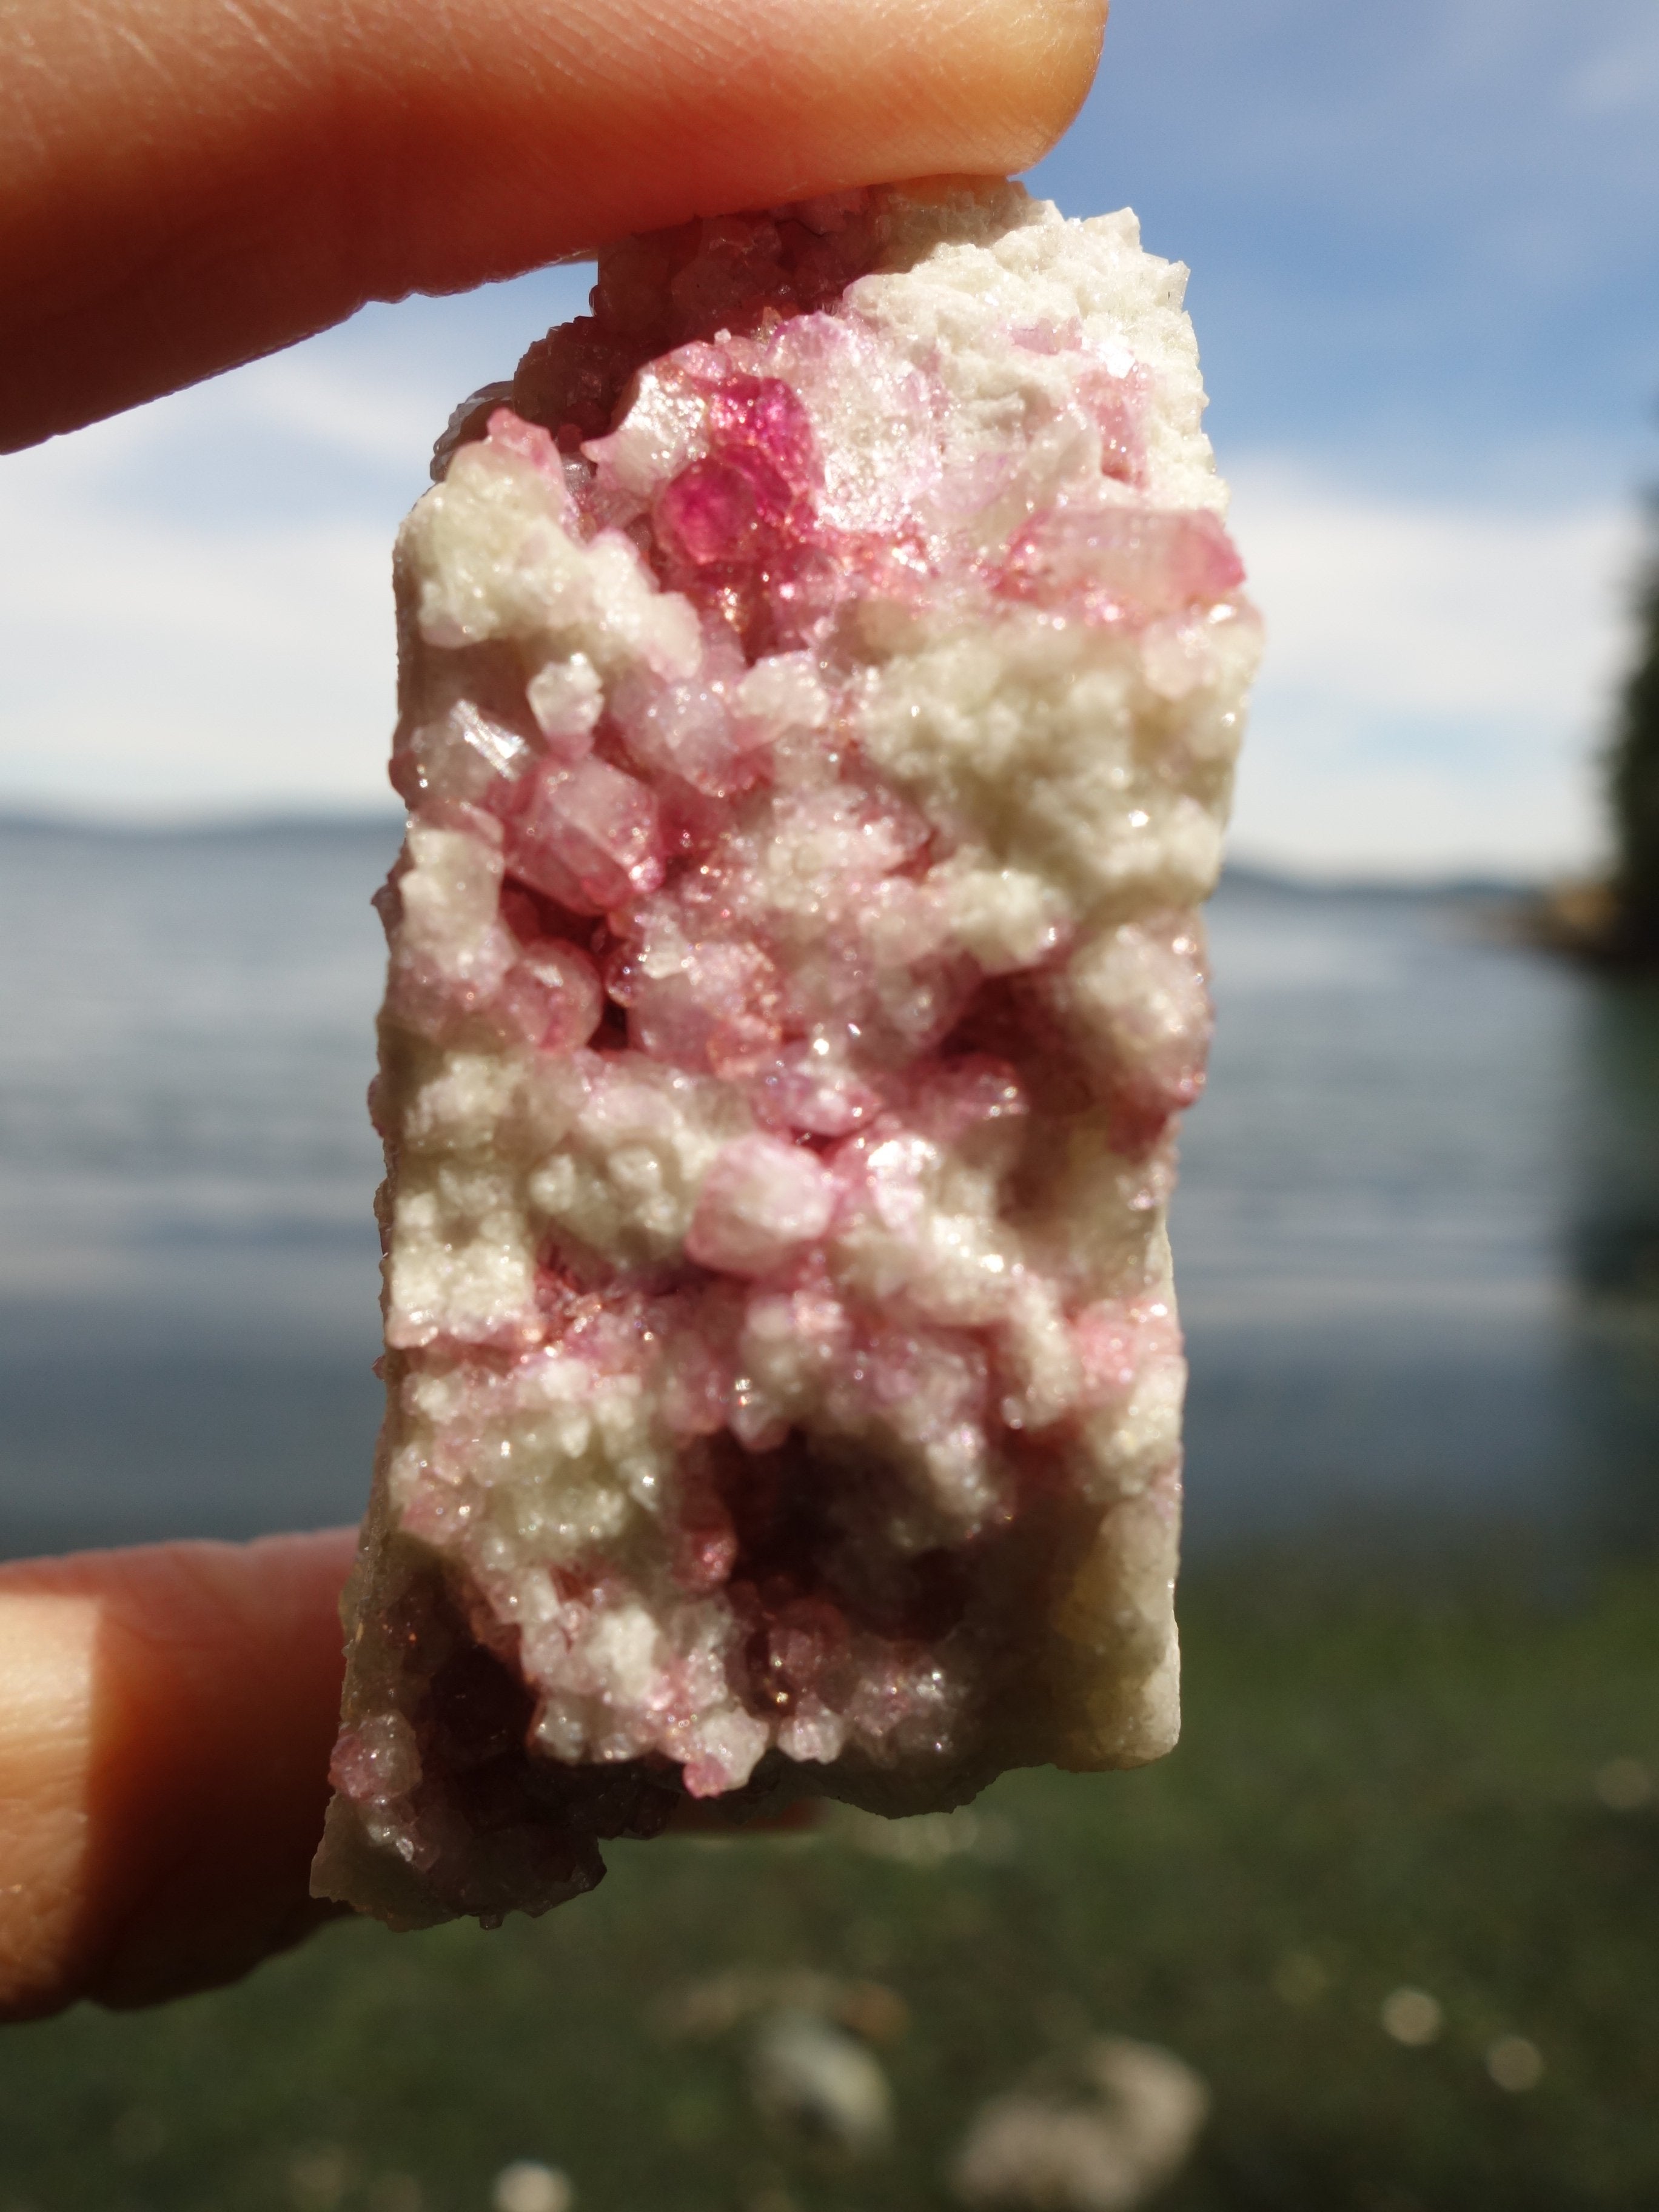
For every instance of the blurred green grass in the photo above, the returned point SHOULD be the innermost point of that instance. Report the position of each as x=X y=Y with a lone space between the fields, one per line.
x=1377 y=1788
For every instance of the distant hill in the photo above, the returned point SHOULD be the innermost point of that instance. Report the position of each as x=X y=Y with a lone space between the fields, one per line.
x=1243 y=875
x=379 y=822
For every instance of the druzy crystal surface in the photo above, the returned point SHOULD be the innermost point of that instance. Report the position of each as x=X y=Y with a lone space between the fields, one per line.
x=821 y=668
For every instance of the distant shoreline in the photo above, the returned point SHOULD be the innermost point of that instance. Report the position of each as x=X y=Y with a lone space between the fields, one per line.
x=387 y=823
x=380 y=821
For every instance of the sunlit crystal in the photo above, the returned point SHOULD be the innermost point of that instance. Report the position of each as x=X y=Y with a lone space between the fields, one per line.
x=823 y=667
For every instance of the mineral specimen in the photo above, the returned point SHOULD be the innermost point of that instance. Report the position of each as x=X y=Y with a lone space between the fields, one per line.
x=821 y=668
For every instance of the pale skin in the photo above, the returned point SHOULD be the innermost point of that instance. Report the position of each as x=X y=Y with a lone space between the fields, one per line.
x=186 y=184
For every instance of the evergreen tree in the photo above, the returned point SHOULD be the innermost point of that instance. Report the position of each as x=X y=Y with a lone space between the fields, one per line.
x=1634 y=778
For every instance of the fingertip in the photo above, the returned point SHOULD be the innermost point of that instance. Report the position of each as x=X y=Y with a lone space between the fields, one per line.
x=166 y=1719
x=266 y=170
x=1037 y=60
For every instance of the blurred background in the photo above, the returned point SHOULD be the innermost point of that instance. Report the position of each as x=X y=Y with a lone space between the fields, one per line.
x=1383 y=1933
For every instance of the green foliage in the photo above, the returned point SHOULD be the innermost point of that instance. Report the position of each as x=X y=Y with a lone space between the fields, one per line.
x=1634 y=778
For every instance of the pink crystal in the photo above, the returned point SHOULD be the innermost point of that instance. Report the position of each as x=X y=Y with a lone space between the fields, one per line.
x=1124 y=563
x=589 y=836
x=551 y=997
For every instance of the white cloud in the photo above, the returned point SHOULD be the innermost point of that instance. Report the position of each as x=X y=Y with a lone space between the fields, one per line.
x=194 y=599
x=155 y=664
x=1437 y=678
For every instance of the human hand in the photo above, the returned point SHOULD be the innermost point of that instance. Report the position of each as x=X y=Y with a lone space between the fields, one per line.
x=186 y=184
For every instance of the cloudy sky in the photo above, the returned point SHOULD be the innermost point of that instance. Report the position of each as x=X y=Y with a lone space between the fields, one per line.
x=1425 y=246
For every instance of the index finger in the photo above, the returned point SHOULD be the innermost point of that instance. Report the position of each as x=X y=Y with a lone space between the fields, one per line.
x=186 y=183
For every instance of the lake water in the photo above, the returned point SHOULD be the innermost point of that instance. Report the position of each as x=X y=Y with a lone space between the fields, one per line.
x=1416 y=1239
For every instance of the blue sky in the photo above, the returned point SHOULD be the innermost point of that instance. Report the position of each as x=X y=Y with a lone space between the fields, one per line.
x=1424 y=236
x=1425 y=247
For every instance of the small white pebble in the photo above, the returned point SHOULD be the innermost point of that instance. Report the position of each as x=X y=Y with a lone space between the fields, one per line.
x=1514 y=2064
x=1623 y=1784
x=1045 y=2149
x=820 y=2083
x=1411 y=2017
x=527 y=2185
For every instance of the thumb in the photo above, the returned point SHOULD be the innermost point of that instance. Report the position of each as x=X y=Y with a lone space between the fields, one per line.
x=186 y=183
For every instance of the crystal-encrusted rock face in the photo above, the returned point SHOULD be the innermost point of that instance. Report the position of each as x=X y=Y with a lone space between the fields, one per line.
x=821 y=671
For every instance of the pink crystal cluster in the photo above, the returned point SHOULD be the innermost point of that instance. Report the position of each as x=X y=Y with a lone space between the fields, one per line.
x=820 y=677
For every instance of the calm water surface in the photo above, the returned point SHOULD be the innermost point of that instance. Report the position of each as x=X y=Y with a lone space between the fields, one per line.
x=1417 y=1239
